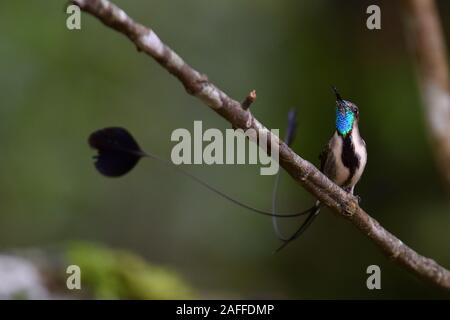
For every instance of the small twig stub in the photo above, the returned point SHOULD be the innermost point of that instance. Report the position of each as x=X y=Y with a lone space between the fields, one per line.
x=249 y=100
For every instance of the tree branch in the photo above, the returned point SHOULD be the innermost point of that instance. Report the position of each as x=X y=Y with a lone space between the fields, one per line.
x=427 y=42
x=198 y=85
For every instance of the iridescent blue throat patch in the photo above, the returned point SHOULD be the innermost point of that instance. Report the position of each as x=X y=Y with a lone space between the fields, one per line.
x=344 y=122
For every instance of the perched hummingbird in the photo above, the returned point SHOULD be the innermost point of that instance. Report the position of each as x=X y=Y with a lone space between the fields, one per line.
x=342 y=160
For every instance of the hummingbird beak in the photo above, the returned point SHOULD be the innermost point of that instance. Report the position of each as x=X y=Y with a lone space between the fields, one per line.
x=338 y=96
x=339 y=101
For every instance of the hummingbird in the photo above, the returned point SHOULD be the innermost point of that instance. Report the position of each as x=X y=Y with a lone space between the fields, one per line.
x=342 y=160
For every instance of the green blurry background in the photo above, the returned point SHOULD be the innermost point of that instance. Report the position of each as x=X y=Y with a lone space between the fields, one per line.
x=57 y=86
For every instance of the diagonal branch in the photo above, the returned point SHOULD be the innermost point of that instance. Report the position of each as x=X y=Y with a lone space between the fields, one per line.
x=198 y=85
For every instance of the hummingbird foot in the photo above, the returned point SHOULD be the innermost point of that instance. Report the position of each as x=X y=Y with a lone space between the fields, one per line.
x=350 y=190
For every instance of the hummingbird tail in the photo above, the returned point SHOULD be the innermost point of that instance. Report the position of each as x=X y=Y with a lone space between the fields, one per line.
x=314 y=212
x=222 y=194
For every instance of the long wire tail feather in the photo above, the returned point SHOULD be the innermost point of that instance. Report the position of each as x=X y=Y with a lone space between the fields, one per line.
x=275 y=224
x=118 y=153
x=289 y=139
x=223 y=195
x=304 y=226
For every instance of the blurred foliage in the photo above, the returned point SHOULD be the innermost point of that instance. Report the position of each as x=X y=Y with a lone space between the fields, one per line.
x=57 y=86
x=117 y=274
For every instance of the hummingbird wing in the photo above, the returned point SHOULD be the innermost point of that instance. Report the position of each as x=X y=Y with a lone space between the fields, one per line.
x=323 y=157
x=328 y=162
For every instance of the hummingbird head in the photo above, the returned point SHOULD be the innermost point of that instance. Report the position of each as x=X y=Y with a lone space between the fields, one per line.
x=347 y=115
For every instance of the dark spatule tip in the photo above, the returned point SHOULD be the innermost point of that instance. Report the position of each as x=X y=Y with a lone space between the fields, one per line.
x=118 y=152
x=292 y=115
x=292 y=126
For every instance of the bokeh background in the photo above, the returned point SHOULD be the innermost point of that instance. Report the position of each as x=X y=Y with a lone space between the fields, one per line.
x=57 y=86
